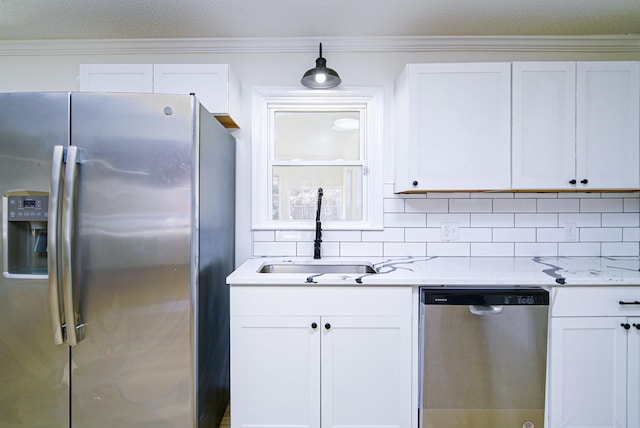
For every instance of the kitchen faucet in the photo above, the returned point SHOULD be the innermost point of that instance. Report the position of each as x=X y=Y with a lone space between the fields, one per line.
x=318 y=240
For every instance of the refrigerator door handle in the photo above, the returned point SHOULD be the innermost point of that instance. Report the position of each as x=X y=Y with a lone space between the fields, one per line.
x=52 y=240
x=66 y=235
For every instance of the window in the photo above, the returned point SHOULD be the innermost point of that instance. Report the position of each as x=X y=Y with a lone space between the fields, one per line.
x=305 y=140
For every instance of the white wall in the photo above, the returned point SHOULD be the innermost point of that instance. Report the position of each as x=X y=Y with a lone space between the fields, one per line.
x=507 y=224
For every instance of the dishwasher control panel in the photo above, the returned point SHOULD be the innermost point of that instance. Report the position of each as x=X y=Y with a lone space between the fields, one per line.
x=484 y=297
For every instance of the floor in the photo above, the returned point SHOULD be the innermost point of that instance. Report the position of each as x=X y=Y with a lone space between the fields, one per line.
x=226 y=420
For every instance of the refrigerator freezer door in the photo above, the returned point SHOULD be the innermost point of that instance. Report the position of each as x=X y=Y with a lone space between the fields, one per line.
x=133 y=364
x=34 y=374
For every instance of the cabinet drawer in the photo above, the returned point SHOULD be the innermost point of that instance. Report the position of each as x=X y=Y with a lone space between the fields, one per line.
x=292 y=300
x=595 y=301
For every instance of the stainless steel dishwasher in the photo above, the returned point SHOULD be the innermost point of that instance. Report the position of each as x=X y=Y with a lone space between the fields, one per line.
x=483 y=357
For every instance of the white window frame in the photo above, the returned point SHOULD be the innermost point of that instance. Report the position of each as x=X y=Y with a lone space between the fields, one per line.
x=267 y=101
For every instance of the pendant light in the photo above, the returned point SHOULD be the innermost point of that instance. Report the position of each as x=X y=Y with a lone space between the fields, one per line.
x=321 y=77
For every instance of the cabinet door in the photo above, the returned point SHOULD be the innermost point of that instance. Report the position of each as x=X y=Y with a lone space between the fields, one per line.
x=633 y=368
x=543 y=136
x=460 y=120
x=275 y=371
x=608 y=125
x=210 y=83
x=366 y=372
x=588 y=372
x=116 y=78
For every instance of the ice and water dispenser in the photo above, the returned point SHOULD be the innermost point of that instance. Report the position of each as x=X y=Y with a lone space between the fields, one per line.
x=25 y=216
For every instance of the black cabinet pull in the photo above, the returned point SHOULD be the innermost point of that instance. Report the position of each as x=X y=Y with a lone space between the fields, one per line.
x=625 y=325
x=314 y=325
x=415 y=182
x=637 y=326
x=622 y=302
x=584 y=181
x=572 y=181
x=327 y=326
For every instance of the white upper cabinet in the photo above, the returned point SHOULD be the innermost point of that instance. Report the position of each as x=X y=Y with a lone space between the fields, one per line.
x=116 y=78
x=213 y=84
x=453 y=127
x=543 y=137
x=608 y=125
x=576 y=126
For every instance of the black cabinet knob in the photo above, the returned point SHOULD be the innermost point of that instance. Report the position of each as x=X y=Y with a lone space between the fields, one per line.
x=584 y=181
x=572 y=181
x=637 y=326
x=314 y=325
x=415 y=182
x=626 y=325
x=327 y=326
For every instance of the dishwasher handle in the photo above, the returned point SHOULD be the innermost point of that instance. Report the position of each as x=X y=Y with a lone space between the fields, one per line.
x=486 y=310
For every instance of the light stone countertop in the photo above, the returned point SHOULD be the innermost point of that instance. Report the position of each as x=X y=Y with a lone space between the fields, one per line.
x=451 y=271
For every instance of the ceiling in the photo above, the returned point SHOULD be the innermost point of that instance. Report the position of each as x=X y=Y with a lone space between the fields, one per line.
x=143 y=19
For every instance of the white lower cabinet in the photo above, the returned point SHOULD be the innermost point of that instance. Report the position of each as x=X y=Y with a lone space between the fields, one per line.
x=594 y=370
x=323 y=367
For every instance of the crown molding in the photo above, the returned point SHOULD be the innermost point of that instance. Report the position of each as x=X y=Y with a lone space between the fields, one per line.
x=603 y=43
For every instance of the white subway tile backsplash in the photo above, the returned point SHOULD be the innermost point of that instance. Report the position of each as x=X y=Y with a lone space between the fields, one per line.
x=327 y=249
x=448 y=249
x=535 y=195
x=607 y=205
x=536 y=220
x=434 y=220
x=531 y=249
x=274 y=249
x=492 y=249
x=405 y=249
x=470 y=205
x=580 y=195
x=514 y=234
x=598 y=234
x=390 y=234
x=581 y=219
x=612 y=249
x=295 y=235
x=422 y=234
x=427 y=206
x=619 y=219
x=492 y=220
x=579 y=249
x=490 y=224
x=514 y=206
x=631 y=205
x=355 y=249
x=550 y=235
x=476 y=234
x=263 y=235
x=558 y=205
x=631 y=234
x=394 y=205
x=342 y=235
x=446 y=195
x=404 y=220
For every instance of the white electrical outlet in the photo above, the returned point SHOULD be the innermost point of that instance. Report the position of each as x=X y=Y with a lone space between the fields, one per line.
x=449 y=231
x=570 y=232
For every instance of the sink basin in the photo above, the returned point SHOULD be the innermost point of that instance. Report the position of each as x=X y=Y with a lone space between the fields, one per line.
x=315 y=268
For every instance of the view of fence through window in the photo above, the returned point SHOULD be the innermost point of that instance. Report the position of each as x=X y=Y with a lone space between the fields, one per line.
x=315 y=149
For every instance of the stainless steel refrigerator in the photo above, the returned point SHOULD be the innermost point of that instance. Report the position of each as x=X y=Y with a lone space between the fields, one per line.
x=117 y=237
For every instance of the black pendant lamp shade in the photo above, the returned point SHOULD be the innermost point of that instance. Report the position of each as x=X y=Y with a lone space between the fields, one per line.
x=321 y=77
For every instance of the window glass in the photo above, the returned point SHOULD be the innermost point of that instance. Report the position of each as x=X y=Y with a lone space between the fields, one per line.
x=317 y=135
x=303 y=140
x=295 y=192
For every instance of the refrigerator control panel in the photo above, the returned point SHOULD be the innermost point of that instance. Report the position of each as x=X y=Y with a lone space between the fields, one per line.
x=27 y=208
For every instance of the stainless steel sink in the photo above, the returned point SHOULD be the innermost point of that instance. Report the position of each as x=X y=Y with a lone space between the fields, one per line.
x=316 y=268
